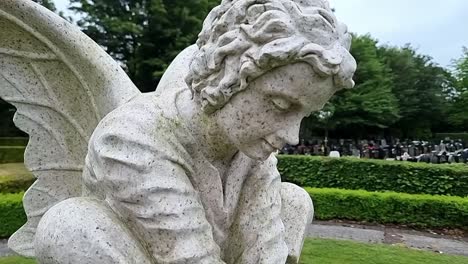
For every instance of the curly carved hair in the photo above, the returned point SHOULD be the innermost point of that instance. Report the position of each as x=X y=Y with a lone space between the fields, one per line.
x=243 y=39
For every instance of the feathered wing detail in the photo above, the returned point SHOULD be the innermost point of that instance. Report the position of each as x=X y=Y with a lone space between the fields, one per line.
x=62 y=84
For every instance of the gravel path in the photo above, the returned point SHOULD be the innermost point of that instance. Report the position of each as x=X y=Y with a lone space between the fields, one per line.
x=4 y=250
x=417 y=240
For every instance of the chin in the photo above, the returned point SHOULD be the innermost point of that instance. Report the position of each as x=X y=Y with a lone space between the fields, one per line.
x=256 y=153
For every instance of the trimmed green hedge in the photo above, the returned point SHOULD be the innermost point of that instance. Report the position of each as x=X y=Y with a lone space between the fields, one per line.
x=391 y=208
x=13 y=141
x=12 y=215
x=15 y=178
x=11 y=154
x=384 y=208
x=15 y=185
x=375 y=175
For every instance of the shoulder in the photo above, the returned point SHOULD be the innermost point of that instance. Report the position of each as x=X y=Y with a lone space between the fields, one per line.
x=144 y=128
x=177 y=71
x=138 y=144
x=142 y=111
x=145 y=116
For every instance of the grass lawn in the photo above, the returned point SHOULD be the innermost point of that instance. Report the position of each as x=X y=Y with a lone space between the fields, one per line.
x=322 y=251
x=16 y=260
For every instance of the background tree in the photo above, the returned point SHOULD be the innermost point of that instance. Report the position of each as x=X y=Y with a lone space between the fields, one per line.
x=398 y=93
x=371 y=105
x=418 y=84
x=145 y=35
x=461 y=70
x=458 y=114
x=49 y=4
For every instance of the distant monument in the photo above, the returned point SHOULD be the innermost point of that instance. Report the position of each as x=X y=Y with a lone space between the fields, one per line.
x=185 y=174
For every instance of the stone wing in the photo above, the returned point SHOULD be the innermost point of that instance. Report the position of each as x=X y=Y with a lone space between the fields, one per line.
x=62 y=84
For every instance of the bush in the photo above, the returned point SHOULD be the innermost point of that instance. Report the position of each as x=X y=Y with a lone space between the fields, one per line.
x=15 y=185
x=12 y=215
x=15 y=178
x=391 y=208
x=375 y=175
x=384 y=208
x=11 y=154
x=13 y=141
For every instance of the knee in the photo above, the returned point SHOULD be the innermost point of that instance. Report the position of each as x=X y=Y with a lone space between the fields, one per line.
x=67 y=228
x=297 y=212
x=85 y=230
x=296 y=200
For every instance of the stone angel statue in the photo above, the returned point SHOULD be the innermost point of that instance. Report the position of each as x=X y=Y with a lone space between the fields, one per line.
x=186 y=174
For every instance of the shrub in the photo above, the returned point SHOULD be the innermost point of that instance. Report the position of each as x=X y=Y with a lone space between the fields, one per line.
x=431 y=211
x=15 y=185
x=14 y=178
x=12 y=215
x=375 y=175
x=384 y=208
x=13 y=141
x=11 y=154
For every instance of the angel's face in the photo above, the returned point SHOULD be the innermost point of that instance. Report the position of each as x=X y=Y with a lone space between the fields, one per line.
x=268 y=113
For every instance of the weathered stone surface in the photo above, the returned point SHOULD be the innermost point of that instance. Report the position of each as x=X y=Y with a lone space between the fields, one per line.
x=182 y=175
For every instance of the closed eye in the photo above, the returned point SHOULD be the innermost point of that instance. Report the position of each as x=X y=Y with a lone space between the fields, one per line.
x=281 y=104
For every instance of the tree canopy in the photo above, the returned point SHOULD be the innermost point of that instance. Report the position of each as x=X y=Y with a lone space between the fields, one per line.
x=398 y=91
x=49 y=4
x=371 y=102
x=458 y=114
x=418 y=84
x=145 y=35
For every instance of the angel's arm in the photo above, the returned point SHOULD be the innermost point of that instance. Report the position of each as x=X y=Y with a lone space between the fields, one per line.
x=152 y=193
x=259 y=226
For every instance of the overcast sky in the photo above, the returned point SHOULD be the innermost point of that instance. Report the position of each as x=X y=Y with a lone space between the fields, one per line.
x=438 y=28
